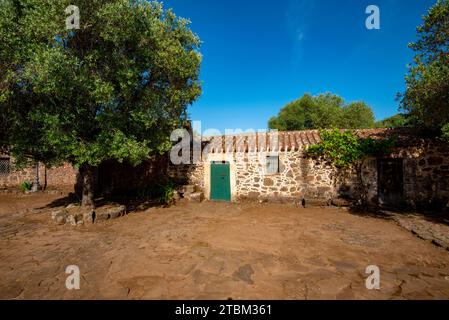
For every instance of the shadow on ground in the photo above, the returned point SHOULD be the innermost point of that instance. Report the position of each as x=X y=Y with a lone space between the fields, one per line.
x=131 y=204
x=386 y=214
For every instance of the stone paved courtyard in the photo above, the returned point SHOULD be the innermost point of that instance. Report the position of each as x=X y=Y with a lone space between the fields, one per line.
x=215 y=251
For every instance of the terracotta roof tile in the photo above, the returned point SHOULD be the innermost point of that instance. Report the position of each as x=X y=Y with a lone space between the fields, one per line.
x=294 y=140
x=256 y=142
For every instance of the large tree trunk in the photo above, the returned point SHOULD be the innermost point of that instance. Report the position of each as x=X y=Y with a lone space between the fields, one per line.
x=87 y=175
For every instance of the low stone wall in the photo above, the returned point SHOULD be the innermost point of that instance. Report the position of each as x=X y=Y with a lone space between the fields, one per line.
x=61 y=177
x=77 y=216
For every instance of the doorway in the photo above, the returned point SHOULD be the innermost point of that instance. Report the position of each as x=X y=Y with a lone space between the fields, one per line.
x=220 y=181
x=390 y=182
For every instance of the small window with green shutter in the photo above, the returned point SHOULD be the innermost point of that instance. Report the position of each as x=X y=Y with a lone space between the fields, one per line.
x=272 y=165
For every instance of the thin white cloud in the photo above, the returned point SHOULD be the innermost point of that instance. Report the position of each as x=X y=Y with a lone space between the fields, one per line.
x=297 y=15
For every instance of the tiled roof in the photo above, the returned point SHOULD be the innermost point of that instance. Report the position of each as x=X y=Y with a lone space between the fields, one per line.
x=262 y=141
x=285 y=141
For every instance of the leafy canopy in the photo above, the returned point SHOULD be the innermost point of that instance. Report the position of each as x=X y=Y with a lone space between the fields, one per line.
x=322 y=112
x=426 y=99
x=344 y=149
x=113 y=89
x=396 y=121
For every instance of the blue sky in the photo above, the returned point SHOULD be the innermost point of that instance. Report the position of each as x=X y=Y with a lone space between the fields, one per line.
x=259 y=55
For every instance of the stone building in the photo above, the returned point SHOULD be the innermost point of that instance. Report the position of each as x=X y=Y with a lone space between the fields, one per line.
x=275 y=167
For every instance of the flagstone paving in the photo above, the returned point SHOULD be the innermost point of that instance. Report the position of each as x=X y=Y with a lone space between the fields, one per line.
x=215 y=251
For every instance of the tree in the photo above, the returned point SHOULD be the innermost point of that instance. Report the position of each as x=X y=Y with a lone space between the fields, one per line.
x=20 y=133
x=357 y=115
x=396 y=121
x=113 y=89
x=321 y=112
x=426 y=99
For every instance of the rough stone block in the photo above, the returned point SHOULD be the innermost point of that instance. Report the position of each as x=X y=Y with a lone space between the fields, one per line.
x=339 y=202
x=71 y=220
x=189 y=189
x=176 y=196
x=253 y=195
x=59 y=216
x=268 y=182
x=317 y=202
x=110 y=213
x=88 y=217
x=197 y=197
x=117 y=212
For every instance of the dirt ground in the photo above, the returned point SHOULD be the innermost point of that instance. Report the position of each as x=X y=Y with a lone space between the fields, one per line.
x=215 y=251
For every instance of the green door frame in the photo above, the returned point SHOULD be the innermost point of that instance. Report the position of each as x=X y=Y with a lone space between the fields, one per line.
x=220 y=181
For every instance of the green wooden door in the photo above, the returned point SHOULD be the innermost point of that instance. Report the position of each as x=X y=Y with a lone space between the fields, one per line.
x=220 y=182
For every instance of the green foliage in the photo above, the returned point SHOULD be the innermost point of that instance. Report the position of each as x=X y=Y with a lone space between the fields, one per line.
x=356 y=115
x=114 y=89
x=322 y=112
x=445 y=131
x=426 y=99
x=158 y=192
x=396 y=121
x=344 y=149
x=26 y=186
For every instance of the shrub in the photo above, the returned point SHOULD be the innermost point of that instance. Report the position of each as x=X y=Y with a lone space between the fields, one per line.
x=445 y=131
x=26 y=186
x=344 y=149
x=159 y=192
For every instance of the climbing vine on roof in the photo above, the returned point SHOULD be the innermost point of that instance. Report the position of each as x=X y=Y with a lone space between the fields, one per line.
x=344 y=149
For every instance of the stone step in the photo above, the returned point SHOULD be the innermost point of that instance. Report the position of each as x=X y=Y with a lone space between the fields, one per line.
x=195 y=197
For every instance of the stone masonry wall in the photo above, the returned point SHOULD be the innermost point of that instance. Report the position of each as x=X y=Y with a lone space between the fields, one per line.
x=298 y=178
x=187 y=174
x=426 y=175
x=62 y=177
